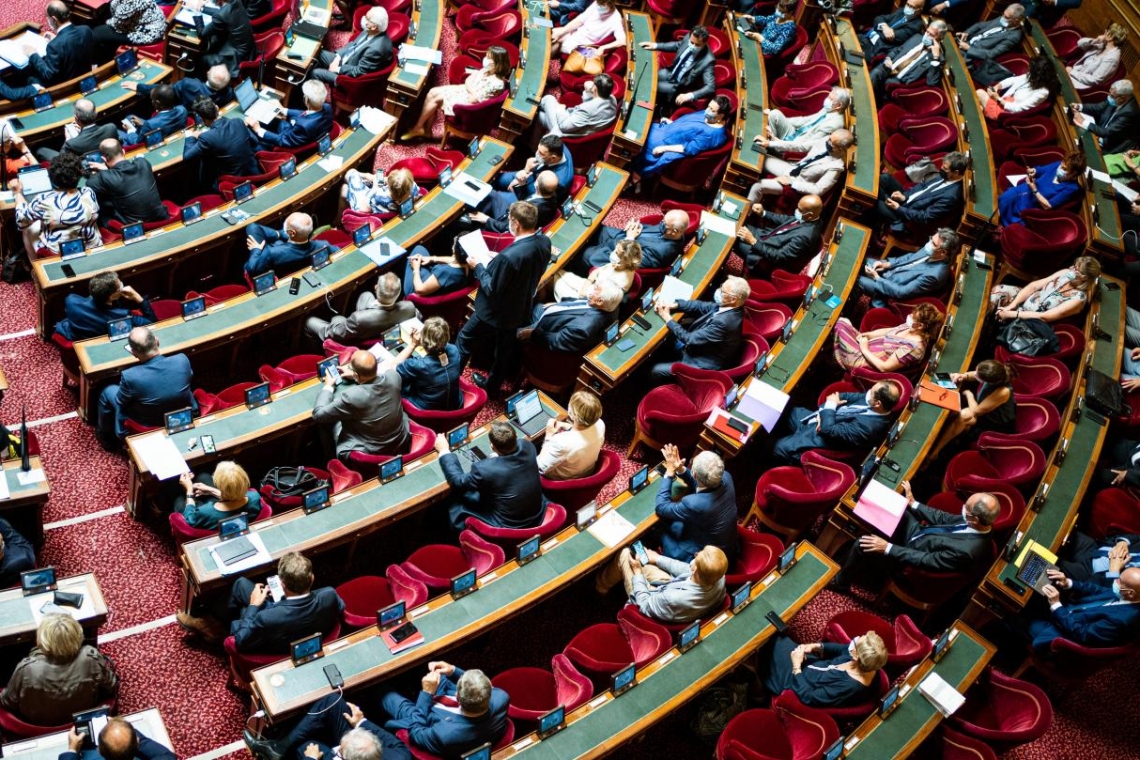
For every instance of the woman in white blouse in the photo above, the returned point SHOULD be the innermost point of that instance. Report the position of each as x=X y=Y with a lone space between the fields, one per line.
x=1020 y=93
x=1102 y=56
x=571 y=448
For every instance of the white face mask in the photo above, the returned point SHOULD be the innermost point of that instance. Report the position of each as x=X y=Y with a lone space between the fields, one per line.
x=1116 y=588
x=1004 y=23
x=718 y=297
x=487 y=64
x=615 y=259
x=908 y=11
x=909 y=321
x=927 y=40
x=799 y=215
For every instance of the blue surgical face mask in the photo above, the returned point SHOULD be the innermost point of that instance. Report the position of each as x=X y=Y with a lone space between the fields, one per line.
x=799 y=215
x=1004 y=22
x=908 y=11
x=1112 y=101
x=869 y=398
x=1116 y=587
x=927 y=41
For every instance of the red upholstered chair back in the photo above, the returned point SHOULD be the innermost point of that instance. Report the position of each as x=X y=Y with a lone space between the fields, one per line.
x=405 y=587
x=482 y=554
x=1037 y=420
x=272 y=20
x=1013 y=461
x=809 y=730
x=509 y=538
x=350 y=93
x=551 y=371
x=1064 y=41
x=906 y=644
x=705 y=388
x=785 y=287
x=474 y=399
x=1115 y=510
x=751 y=348
x=801 y=81
x=758 y=554
x=647 y=639
x=929 y=133
x=220 y=293
x=423 y=439
x=268 y=44
x=478 y=118
x=750 y=730
x=1010 y=502
x=1004 y=712
x=296 y=368
x=589 y=149
x=572 y=688
x=829 y=479
x=362 y=597
x=282 y=503
x=341 y=477
x=1072 y=662
x=1040 y=376
x=532 y=691
x=956 y=746
x=451 y=307
x=767 y=319
x=578 y=492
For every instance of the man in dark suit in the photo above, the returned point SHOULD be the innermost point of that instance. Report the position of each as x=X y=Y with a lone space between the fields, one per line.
x=919 y=59
x=928 y=539
x=190 y=90
x=1092 y=616
x=986 y=41
x=455 y=711
x=107 y=300
x=293 y=128
x=285 y=250
x=118 y=740
x=1083 y=558
x=890 y=30
x=331 y=722
x=502 y=490
x=228 y=38
x=69 y=53
x=376 y=313
x=505 y=298
x=550 y=156
x=225 y=146
x=786 y=242
x=931 y=203
x=16 y=555
x=1120 y=466
x=169 y=117
x=82 y=135
x=145 y=392
x=846 y=421
x=368 y=52
x=544 y=200
x=1117 y=118
x=711 y=340
x=691 y=76
x=125 y=187
x=660 y=243
x=362 y=410
x=574 y=326
x=926 y=272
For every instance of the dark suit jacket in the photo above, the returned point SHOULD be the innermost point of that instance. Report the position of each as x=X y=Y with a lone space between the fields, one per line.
x=507 y=286
x=165 y=122
x=836 y=431
x=87 y=141
x=370 y=416
x=657 y=251
x=229 y=34
x=573 y=331
x=941 y=205
x=712 y=340
x=149 y=390
x=1118 y=130
x=279 y=253
x=83 y=318
x=228 y=147
x=700 y=79
x=785 y=243
x=18 y=555
x=190 y=90
x=919 y=71
x=508 y=488
x=446 y=732
x=698 y=519
x=148 y=749
x=270 y=628
x=68 y=55
x=128 y=192
x=365 y=54
x=547 y=210
x=1098 y=626
x=298 y=128
x=939 y=552
x=903 y=26
x=997 y=44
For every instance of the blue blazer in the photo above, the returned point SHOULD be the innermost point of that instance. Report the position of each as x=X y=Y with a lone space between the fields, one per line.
x=572 y=331
x=148 y=749
x=657 y=251
x=446 y=732
x=429 y=384
x=167 y=122
x=83 y=318
x=228 y=147
x=1098 y=626
x=18 y=555
x=68 y=55
x=697 y=519
x=838 y=429
x=298 y=128
x=159 y=385
x=190 y=91
x=712 y=340
x=279 y=253
x=942 y=204
x=272 y=627
x=503 y=491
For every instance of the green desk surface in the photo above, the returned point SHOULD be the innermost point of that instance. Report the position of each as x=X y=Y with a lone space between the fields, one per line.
x=681 y=678
x=243 y=314
x=753 y=85
x=51 y=746
x=978 y=141
x=429 y=25
x=916 y=715
x=23 y=493
x=532 y=82
x=1107 y=230
x=17 y=622
x=109 y=95
x=643 y=64
x=569 y=234
x=370 y=659
x=866 y=175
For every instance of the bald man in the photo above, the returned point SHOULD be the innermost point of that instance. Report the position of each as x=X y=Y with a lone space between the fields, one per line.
x=361 y=411
x=126 y=187
x=544 y=199
x=661 y=243
x=784 y=242
x=1086 y=613
x=285 y=250
x=118 y=740
x=823 y=164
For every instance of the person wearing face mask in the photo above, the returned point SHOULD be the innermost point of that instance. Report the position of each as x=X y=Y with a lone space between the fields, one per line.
x=70 y=51
x=691 y=76
x=597 y=110
x=784 y=242
x=692 y=134
x=484 y=84
x=889 y=349
x=1045 y=187
x=938 y=200
x=1100 y=59
x=107 y=300
x=367 y=52
x=1115 y=121
x=574 y=325
x=824 y=674
x=1084 y=613
x=510 y=186
x=1016 y=94
x=687 y=591
x=918 y=60
x=284 y=250
x=711 y=336
x=986 y=41
x=925 y=272
x=926 y=539
x=821 y=167
x=846 y=421
x=620 y=270
x=1084 y=558
x=544 y=198
x=890 y=30
x=775 y=31
x=660 y=243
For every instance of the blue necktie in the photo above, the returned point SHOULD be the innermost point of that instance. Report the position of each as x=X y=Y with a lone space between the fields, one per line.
x=935 y=530
x=803 y=130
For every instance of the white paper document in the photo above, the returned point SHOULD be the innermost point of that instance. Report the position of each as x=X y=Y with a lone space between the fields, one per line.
x=712 y=222
x=763 y=403
x=34 y=475
x=1016 y=179
x=186 y=17
x=470 y=190
x=673 y=290
x=1128 y=193
x=420 y=53
x=331 y=163
x=375 y=120
x=419 y=69
x=372 y=251
x=4 y=487
x=160 y=456
x=945 y=698
x=12 y=50
x=611 y=529
x=254 y=560
x=475 y=247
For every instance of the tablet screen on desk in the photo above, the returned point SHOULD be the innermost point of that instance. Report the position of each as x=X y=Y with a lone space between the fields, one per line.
x=127 y=61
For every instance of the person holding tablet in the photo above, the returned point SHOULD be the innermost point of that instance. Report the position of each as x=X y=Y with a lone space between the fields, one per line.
x=693 y=590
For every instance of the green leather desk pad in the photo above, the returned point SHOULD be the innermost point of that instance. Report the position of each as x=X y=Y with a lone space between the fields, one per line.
x=572 y=232
x=752 y=67
x=864 y=107
x=16 y=611
x=532 y=83
x=102 y=355
x=430 y=21
x=483 y=605
x=640 y=119
x=985 y=193
x=915 y=710
x=730 y=641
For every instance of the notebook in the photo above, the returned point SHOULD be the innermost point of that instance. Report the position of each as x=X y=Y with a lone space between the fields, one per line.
x=881 y=507
x=932 y=393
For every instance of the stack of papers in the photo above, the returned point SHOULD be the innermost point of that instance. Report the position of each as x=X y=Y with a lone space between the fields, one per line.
x=372 y=251
x=945 y=698
x=673 y=290
x=474 y=245
x=728 y=425
x=160 y=456
x=420 y=53
x=611 y=529
x=763 y=403
x=715 y=223
x=881 y=507
x=375 y=120
x=12 y=50
x=467 y=189
x=1128 y=193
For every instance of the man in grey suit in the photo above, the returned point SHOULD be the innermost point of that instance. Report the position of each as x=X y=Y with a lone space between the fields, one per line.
x=824 y=162
x=913 y=275
x=681 y=591
x=368 y=52
x=986 y=41
x=376 y=313
x=691 y=76
x=362 y=410
x=795 y=133
x=82 y=135
x=597 y=111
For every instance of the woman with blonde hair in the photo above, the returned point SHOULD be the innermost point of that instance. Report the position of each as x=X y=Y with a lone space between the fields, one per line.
x=825 y=674
x=1102 y=56
x=1063 y=294
x=622 y=266
x=60 y=676
x=378 y=194
x=890 y=348
x=431 y=381
x=572 y=447
x=209 y=499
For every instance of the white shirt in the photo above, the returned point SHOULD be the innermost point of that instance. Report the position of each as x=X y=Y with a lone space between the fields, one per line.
x=572 y=453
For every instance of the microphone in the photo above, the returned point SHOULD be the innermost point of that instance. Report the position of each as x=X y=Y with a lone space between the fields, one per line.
x=25 y=447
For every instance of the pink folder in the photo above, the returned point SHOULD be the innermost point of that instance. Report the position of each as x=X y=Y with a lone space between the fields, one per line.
x=881 y=507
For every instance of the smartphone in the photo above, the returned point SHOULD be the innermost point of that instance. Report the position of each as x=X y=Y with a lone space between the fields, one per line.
x=208 y=444
x=67 y=270
x=332 y=672
x=641 y=322
x=403 y=632
x=777 y=622
x=639 y=550
x=295 y=286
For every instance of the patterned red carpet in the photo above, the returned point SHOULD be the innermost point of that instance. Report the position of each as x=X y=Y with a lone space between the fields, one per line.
x=138 y=568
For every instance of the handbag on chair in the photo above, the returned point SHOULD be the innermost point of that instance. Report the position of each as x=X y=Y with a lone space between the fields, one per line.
x=580 y=63
x=1029 y=337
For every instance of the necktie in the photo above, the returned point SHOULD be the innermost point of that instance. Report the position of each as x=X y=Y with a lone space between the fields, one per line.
x=806 y=162
x=922 y=190
x=804 y=129
x=782 y=228
x=910 y=58
x=557 y=308
x=681 y=65
x=936 y=530
x=989 y=32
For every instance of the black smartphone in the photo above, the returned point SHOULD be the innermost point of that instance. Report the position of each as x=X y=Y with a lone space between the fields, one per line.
x=295 y=286
x=67 y=270
x=403 y=632
x=495 y=161
x=891 y=464
x=1110 y=285
x=15 y=122
x=332 y=672
x=777 y=622
x=641 y=322
x=478 y=453
x=208 y=444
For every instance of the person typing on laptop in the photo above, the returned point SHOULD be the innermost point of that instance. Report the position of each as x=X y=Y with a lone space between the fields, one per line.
x=108 y=300
x=1084 y=612
x=118 y=740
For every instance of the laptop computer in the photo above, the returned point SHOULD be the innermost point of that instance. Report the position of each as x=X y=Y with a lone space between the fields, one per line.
x=1033 y=568
x=253 y=105
x=528 y=413
x=309 y=29
x=127 y=61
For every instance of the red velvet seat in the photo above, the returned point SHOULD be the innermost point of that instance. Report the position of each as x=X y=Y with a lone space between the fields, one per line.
x=220 y=293
x=918 y=137
x=475 y=120
x=1017 y=463
x=166 y=308
x=676 y=413
x=927 y=590
x=1064 y=41
x=575 y=493
x=956 y=746
x=535 y=692
x=350 y=93
x=758 y=554
x=589 y=149
x=694 y=172
x=436 y=564
x=777 y=63
x=451 y=307
x=1041 y=376
x=68 y=359
x=1035 y=131
x=422 y=754
x=789 y=731
x=1011 y=505
x=275 y=19
x=183 y=532
x=1069 y=662
x=509 y=538
x=295 y=369
x=912 y=103
x=474 y=398
x=172 y=210
x=906 y=644
x=856 y=712
x=1070 y=337
x=505 y=25
x=1043 y=242
x=425 y=169
x=605 y=648
x=751 y=347
x=790 y=499
x=1115 y=511
x=341 y=477
x=767 y=319
x=471 y=16
x=783 y=287
x=368 y=465
x=365 y=595
x=554 y=372
x=242 y=664
x=267 y=44
x=1004 y=712
x=801 y=81
x=1037 y=420
x=280 y=504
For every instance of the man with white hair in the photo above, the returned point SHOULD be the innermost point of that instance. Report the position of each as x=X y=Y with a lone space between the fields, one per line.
x=574 y=326
x=377 y=311
x=189 y=90
x=285 y=250
x=823 y=163
x=1115 y=121
x=367 y=52
x=795 y=133
x=986 y=41
x=711 y=340
x=326 y=724
x=660 y=243
x=293 y=128
x=917 y=61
